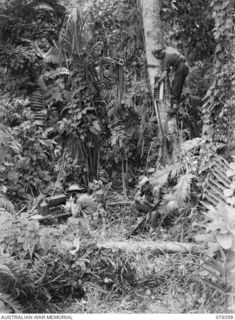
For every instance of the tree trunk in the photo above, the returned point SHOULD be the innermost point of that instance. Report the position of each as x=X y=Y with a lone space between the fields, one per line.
x=153 y=40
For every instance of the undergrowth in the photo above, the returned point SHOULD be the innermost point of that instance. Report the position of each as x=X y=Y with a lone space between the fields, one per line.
x=163 y=284
x=104 y=280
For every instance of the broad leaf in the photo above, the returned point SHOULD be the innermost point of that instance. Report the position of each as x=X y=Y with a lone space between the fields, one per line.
x=213 y=226
x=230 y=173
x=228 y=193
x=204 y=237
x=232 y=166
x=232 y=185
x=213 y=247
x=230 y=267
x=97 y=125
x=230 y=215
x=225 y=240
x=231 y=201
x=222 y=210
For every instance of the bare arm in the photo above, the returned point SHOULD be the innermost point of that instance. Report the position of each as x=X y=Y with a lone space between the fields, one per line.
x=162 y=78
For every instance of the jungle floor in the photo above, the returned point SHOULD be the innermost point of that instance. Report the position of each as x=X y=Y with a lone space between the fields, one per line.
x=163 y=283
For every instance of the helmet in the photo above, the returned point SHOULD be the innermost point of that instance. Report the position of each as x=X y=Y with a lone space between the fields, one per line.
x=75 y=188
x=143 y=181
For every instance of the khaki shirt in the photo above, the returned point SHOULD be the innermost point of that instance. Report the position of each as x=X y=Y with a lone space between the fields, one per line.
x=172 y=58
x=85 y=205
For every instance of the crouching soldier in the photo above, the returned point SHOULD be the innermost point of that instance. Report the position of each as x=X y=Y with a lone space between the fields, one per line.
x=146 y=201
x=82 y=204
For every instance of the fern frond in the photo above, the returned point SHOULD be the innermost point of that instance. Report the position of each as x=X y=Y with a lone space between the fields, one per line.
x=183 y=187
x=118 y=135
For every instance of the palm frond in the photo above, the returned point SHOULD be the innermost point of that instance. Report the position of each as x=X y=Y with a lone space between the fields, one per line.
x=168 y=197
x=183 y=187
x=217 y=182
x=37 y=105
x=37 y=101
x=70 y=40
x=172 y=205
x=160 y=177
x=74 y=36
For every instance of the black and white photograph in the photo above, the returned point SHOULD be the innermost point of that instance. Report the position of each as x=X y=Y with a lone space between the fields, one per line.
x=117 y=159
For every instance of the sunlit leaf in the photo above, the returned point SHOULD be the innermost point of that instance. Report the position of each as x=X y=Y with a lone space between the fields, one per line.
x=225 y=240
x=230 y=215
x=232 y=185
x=172 y=205
x=97 y=125
x=221 y=209
x=204 y=237
x=213 y=247
x=213 y=226
x=228 y=193
x=230 y=173
x=231 y=201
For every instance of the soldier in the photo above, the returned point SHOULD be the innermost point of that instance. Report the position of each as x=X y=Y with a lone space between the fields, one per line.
x=83 y=204
x=145 y=200
x=172 y=58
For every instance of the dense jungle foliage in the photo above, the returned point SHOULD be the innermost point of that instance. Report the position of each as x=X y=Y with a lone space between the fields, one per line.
x=75 y=108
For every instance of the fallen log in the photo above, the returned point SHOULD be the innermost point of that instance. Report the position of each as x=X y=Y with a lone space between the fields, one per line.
x=119 y=203
x=169 y=247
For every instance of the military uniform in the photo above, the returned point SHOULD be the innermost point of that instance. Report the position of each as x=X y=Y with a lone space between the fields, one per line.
x=172 y=58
